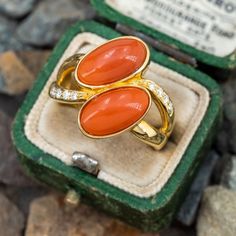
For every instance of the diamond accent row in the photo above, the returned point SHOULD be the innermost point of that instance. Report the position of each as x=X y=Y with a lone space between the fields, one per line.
x=57 y=92
x=161 y=94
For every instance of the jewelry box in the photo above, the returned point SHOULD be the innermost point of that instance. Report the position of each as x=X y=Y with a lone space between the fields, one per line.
x=135 y=183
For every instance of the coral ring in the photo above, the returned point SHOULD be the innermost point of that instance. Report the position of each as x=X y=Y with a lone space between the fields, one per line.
x=108 y=81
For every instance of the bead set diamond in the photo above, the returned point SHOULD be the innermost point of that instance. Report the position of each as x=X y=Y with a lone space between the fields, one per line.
x=57 y=92
x=161 y=94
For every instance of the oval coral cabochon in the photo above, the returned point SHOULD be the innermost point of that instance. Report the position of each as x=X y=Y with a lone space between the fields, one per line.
x=112 y=61
x=113 y=111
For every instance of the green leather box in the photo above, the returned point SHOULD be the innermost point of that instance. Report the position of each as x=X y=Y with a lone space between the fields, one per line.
x=143 y=187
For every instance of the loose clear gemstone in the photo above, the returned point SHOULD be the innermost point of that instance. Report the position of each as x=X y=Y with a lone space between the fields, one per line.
x=66 y=95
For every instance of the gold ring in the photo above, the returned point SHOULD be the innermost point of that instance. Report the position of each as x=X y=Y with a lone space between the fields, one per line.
x=115 y=98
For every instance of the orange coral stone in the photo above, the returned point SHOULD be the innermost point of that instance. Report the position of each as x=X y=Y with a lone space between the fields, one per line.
x=112 y=61
x=114 y=110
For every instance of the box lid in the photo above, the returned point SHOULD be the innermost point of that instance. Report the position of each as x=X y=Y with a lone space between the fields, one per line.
x=201 y=29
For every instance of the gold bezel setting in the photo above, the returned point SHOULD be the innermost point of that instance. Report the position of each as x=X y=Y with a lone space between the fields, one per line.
x=119 y=132
x=141 y=69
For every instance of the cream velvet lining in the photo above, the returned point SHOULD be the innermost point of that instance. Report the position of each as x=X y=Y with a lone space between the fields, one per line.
x=125 y=162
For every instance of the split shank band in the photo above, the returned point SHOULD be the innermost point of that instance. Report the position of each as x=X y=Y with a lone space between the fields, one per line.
x=107 y=87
